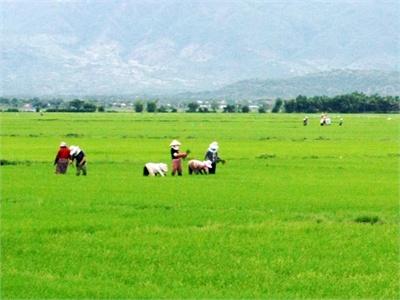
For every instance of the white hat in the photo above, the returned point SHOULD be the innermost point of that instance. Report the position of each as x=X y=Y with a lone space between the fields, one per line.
x=213 y=147
x=163 y=167
x=208 y=164
x=74 y=150
x=63 y=144
x=174 y=143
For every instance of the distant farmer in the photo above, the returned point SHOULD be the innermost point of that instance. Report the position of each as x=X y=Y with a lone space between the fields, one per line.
x=62 y=159
x=177 y=157
x=212 y=155
x=305 y=121
x=322 y=119
x=154 y=169
x=199 y=167
x=328 y=121
x=79 y=157
x=341 y=122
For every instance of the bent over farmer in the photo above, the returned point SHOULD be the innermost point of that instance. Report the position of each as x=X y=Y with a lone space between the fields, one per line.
x=212 y=155
x=62 y=159
x=79 y=156
x=176 y=157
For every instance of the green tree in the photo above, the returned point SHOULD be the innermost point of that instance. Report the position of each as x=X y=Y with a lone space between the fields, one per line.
x=76 y=105
x=14 y=102
x=162 y=109
x=5 y=101
x=203 y=110
x=262 y=109
x=56 y=103
x=151 y=106
x=277 y=105
x=138 y=106
x=192 y=107
x=37 y=104
x=245 y=109
x=290 y=106
x=89 y=107
x=230 y=108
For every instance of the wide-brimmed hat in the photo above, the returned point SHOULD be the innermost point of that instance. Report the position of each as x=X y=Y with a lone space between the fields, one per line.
x=175 y=143
x=163 y=167
x=213 y=146
x=74 y=150
x=63 y=144
x=208 y=164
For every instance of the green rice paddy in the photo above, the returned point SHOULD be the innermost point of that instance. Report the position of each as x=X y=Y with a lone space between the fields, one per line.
x=296 y=212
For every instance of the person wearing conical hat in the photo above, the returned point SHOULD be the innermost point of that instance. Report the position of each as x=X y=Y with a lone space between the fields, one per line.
x=62 y=159
x=176 y=157
x=212 y=155
x=79 y=156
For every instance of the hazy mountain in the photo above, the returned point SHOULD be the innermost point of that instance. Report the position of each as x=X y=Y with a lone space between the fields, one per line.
x=324 y=83
x=121 y=46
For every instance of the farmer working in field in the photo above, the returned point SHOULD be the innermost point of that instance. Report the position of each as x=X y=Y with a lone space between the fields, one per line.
x=177 y=157
x=62 y=159
x=212 y=155
x=79 y=156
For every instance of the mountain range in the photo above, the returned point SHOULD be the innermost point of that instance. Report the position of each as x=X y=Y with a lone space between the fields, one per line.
x=59 y=47
x=328 y=83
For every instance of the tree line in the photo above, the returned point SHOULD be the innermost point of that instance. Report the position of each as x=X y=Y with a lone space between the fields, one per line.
x=53 y=105
x=347 y=103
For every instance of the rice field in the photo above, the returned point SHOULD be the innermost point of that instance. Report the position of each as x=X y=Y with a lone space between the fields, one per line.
x=296 y=212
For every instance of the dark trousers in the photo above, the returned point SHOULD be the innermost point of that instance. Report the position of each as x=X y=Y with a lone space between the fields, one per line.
x=213 y=168
x=81 y=168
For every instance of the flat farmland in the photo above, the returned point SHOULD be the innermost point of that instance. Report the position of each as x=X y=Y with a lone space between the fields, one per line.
x=296 y=212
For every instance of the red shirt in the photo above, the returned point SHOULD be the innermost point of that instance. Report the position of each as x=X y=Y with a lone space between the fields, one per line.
x=63 y=153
